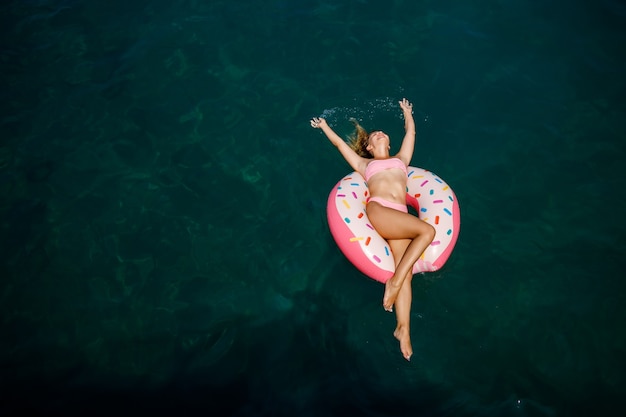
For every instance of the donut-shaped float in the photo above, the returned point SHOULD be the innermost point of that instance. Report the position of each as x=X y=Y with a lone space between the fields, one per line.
x=430 y=196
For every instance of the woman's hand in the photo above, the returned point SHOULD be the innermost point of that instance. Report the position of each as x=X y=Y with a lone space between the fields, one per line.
x=318 y=122
x=406 y=106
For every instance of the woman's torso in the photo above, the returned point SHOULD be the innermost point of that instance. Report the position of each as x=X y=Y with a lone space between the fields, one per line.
x=388 y=180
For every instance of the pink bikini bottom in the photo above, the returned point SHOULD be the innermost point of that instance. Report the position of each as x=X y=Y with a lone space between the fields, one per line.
x=389 y=204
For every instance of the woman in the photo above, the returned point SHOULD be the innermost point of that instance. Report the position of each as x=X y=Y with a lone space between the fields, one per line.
x=386 y=177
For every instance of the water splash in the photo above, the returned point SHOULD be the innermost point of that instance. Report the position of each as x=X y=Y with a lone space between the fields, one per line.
x=369 y=111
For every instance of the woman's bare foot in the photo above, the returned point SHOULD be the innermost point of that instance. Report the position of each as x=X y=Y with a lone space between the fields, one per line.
x=403 y=335
x=391 y=293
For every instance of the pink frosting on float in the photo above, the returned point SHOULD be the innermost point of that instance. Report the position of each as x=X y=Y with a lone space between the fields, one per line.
x=433 y=200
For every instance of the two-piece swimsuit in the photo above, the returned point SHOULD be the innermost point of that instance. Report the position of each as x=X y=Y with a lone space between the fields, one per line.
x=375 y=167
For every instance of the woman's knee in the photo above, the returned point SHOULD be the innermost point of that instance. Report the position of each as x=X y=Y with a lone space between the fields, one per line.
x=429 y=232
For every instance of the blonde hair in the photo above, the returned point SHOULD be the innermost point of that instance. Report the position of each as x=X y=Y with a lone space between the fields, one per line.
x=359 y=140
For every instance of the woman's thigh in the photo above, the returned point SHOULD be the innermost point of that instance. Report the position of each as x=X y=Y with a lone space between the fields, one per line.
x=394 y=224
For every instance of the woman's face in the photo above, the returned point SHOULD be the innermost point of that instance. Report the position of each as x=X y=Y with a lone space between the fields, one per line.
x=377 y=139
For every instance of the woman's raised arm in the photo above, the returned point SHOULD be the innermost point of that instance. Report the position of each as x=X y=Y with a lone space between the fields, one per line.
x=408 y=143
x=358 y=163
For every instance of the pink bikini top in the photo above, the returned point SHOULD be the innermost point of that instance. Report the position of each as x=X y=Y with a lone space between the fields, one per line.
x=378 y=165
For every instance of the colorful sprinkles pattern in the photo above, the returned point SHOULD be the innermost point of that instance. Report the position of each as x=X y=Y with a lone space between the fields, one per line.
x=435 y=205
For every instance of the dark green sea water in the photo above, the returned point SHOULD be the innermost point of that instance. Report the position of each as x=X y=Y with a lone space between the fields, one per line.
x=163 y=235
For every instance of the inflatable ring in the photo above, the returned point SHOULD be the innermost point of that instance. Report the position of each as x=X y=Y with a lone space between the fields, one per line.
x=433 y=200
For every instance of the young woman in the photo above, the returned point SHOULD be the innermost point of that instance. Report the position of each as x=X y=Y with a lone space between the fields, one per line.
x=386 y=177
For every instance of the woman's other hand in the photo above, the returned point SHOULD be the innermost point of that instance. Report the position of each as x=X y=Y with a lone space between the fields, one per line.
x=318 y=122
x=406 y=106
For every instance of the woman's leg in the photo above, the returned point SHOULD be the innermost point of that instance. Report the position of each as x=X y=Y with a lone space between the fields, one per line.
x=403 y=302
x=393 y=224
